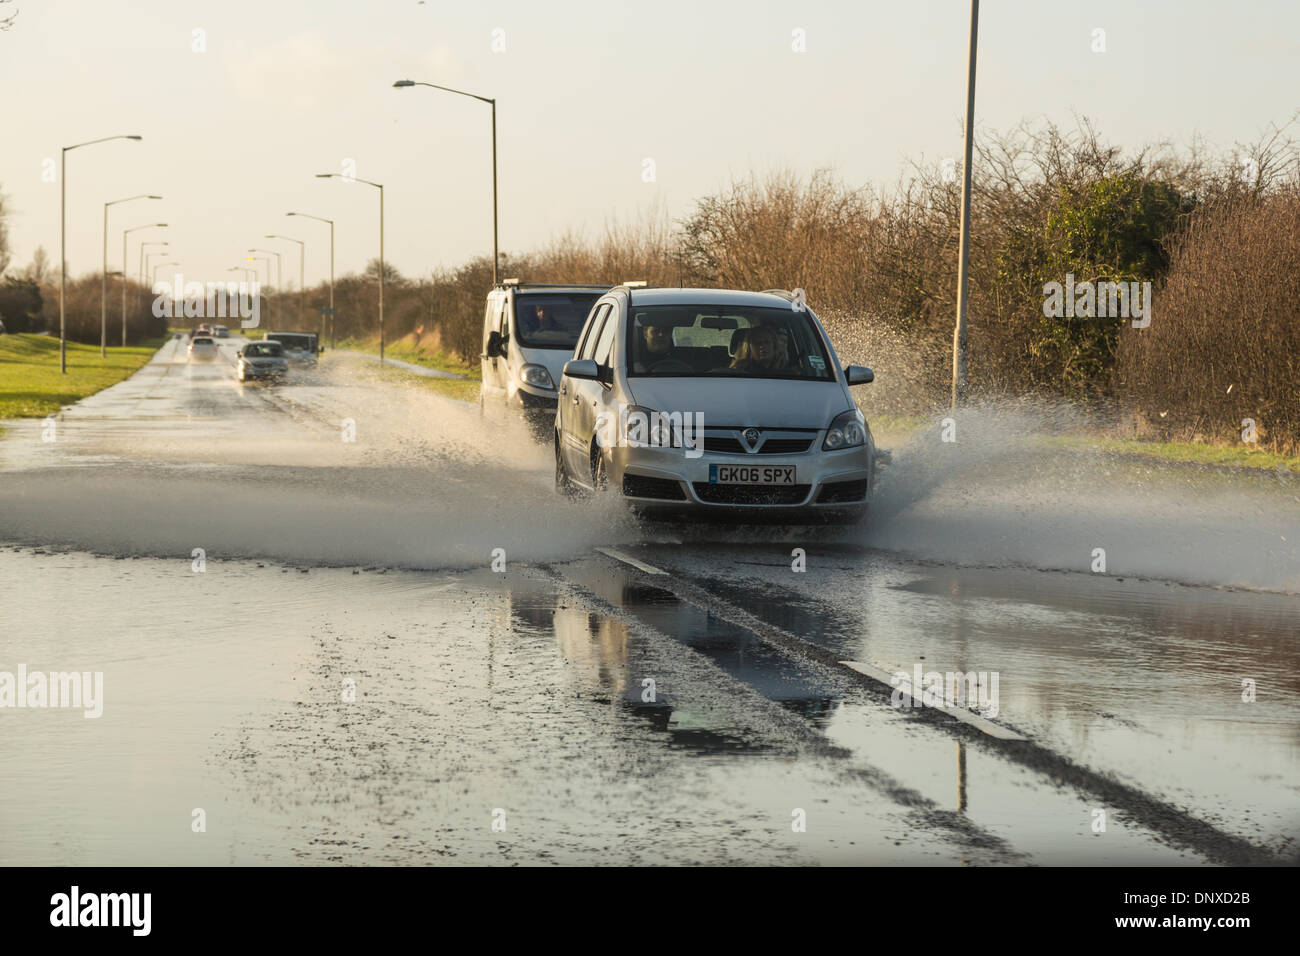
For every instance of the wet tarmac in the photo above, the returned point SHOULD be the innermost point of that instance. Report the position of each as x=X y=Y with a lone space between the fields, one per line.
x=397 y=645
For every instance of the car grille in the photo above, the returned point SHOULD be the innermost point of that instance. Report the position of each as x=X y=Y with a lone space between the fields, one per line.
x=841 y=491
x=773 y=446
x=751 y=494
x=662 y=489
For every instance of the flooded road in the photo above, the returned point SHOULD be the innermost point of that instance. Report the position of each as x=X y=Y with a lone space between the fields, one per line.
x=348 y=621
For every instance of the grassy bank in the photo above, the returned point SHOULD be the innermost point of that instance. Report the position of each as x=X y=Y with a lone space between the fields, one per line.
x=465 y=390
x=31 y=385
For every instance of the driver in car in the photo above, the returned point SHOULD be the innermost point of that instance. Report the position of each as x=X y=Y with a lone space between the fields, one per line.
x=658 y=352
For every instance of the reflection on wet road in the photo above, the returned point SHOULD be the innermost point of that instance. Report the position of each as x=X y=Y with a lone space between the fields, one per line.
x=347 y=680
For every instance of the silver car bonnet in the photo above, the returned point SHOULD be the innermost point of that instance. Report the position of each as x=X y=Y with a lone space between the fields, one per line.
x=741 y=402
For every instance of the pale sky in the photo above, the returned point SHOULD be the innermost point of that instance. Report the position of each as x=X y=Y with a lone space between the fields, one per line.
x=586 y=91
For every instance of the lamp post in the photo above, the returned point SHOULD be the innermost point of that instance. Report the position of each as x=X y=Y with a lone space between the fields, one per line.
x=381 y=249
x=279 y=283
x=302 y=258
x=331 y=222
x=125 y=233
x=103 y=281
x=963 y=245
x=63 y=242
x=496 y=255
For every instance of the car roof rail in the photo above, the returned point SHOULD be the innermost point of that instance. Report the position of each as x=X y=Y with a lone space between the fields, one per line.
x=783 y=293
x=520 y=284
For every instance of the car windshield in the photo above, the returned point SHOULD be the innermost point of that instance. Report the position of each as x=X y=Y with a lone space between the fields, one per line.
x=689 y=341
x=552 y=320
x=263 y=348
x=302 y=342
x=202 y=342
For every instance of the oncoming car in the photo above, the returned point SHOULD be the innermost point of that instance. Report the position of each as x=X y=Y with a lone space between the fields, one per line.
x=262 y=360
x=300 y=348
x=202 y=349
x=529 y=331
x=715 y=402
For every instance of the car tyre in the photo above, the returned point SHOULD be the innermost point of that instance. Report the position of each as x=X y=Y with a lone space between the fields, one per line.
x=563 y=484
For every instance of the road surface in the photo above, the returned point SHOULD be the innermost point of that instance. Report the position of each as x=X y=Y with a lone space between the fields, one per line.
x=348 y=621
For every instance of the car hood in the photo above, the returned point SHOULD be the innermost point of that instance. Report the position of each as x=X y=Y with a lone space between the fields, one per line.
x=763 y=403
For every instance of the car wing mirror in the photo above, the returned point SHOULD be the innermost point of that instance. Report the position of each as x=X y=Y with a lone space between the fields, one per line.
x=859 y=375
x=582 y=368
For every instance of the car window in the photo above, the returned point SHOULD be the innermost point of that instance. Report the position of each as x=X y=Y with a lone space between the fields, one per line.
x=594 y=332
x=552 y=320
x=604 y=344
x=726 y=342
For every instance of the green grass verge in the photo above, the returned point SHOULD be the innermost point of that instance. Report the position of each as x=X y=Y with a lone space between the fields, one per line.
x=1200 y=453
x=31 y=385
x=465 y=390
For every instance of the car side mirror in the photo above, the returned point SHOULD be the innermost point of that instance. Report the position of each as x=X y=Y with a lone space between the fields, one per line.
x=859 y=375
x=493 y=344
x=582 y=368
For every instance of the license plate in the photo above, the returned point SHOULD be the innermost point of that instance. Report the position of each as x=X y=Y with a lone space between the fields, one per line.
x=751 y=474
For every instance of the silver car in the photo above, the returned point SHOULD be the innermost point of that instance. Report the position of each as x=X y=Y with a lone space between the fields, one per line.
x=713 y=402
x=262 y=360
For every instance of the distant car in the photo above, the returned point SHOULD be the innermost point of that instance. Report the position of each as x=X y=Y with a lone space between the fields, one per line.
x=204 y=329
x=221 y=331
x=300 y=348
x=262 y=360
x=202 y=349
x=714 y=402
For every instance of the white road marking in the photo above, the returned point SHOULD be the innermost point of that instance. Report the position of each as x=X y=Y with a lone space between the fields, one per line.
x=628 y=559
x=957 y=713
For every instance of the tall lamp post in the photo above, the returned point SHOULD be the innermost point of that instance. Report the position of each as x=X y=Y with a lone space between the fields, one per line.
x=496 y=255
x=103 y=281
x=306 y=215
x=63 y=241
x=963 y=245
x=279 y=283
x=125 y=233
x=302 y=258
x=381 y=248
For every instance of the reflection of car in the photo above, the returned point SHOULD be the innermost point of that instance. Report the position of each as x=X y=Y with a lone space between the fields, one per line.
x=202 y=349
x=262 y=360
x=713 y=401
x=529 y=331
x=221 y=331
x=300 y=348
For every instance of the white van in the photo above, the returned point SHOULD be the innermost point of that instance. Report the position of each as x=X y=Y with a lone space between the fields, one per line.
x=529 y=331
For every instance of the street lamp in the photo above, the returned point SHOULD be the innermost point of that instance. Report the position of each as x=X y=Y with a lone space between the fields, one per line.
x=331 y=222
x=267 y=260
x=302 y=256
x=63 y=241
x=279 y=284
x=125 y=233
x=103 y=280
x=963 y=242
x=493 y=103
x=353 y=179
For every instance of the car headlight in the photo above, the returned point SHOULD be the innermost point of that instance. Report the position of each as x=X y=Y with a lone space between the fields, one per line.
x=847 y=430
x=646 y=428
x=536 y=376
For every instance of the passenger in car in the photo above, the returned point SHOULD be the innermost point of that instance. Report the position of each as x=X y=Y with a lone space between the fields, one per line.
x=760 y=350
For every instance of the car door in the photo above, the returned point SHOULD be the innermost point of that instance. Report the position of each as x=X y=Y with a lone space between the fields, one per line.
x=577 y=398
x=493 y=367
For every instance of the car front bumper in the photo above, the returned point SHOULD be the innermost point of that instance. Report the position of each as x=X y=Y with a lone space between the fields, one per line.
x=828 y=484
